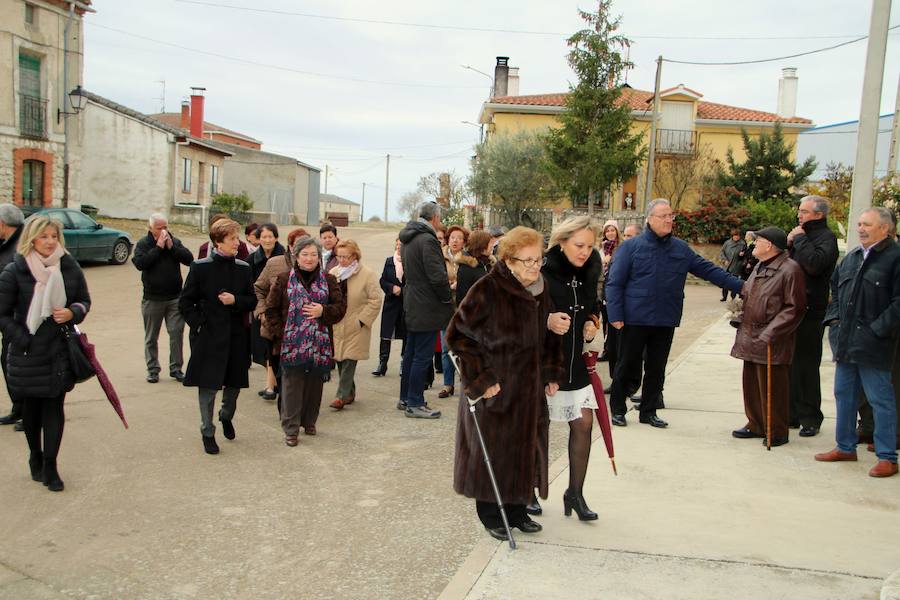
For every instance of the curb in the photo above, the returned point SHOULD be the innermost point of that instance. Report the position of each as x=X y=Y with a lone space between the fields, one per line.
x=891 y=588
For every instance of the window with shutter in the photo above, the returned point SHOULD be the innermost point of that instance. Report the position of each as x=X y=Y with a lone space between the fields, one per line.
x=32 y=108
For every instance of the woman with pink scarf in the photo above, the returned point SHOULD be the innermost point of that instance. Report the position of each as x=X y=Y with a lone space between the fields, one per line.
x=42 y=292
x=393 y=324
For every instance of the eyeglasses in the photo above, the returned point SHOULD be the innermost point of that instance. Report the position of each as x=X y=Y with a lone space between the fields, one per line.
x=665 y=217
x=530 y=263
x=344 y=256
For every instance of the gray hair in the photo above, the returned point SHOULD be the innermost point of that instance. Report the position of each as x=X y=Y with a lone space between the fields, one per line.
x=635 y=226
x=821 y=204
x=11 y=215
x=428 y=210
x=656 y=202
x=885 y=217
x=302 y=242
x=157 y=217
x=565 y=230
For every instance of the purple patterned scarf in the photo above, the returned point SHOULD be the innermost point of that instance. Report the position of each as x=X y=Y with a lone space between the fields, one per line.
x=306 y=343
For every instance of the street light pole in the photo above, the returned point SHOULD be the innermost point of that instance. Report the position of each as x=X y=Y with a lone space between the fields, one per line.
x=470 y=68
x=362 y=208
x=387 y=180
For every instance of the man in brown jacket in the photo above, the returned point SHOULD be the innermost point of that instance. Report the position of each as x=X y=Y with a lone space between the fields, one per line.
x=773 y=308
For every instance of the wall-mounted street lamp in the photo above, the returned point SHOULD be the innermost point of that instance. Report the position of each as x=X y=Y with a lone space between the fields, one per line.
x=77 y=100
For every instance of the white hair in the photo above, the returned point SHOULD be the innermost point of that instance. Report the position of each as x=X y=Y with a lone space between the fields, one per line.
x=158 y=217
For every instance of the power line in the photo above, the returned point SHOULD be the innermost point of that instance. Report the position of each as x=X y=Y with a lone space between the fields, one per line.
x=491 y=29
x=282 y=68
x=382 y=149
x=765 y=60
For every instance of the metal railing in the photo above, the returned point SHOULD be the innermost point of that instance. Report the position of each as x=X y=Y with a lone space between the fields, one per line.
x=32 y=116
x=676 y=141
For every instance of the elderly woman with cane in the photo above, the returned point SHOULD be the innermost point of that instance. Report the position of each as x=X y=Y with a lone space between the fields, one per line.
x=42 y=292
x=510 y=359
x=774 y=306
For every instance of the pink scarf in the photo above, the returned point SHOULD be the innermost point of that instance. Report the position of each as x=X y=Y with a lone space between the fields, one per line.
x=49 y=289
x=398 y=266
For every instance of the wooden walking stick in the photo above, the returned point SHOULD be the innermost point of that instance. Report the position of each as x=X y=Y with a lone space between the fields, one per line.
x=769 y=398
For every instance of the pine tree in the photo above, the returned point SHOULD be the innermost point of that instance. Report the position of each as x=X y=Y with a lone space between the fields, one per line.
x=595 y=149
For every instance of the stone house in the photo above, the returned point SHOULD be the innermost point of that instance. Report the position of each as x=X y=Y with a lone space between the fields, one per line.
x=339 y=211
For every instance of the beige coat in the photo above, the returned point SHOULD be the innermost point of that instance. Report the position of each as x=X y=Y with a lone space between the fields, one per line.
x=353 y=334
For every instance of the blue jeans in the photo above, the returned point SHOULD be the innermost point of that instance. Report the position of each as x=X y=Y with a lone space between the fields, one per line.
x=446 y=363
x=849 y=380
x=418 y=356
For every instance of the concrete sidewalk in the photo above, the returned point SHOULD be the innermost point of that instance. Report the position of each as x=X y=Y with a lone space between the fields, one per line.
x=695 y=513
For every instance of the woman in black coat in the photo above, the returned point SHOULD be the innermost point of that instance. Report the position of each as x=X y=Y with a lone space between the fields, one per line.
x=42 y=292
x=393 y=325
x=475 y=264
x=260 y=347
x=216 y=298
x=572 y=270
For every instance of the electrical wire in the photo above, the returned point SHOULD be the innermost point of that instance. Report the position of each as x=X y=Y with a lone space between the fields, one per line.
x=283 y=68
x=765 y=60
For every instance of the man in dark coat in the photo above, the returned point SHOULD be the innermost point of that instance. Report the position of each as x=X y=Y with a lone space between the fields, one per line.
x=864 y=326
x=11 y=220
x=427 y=302
x=645 y=299
x=730 y=257
x=814 y=247
x=774 y=306
x=159 y=256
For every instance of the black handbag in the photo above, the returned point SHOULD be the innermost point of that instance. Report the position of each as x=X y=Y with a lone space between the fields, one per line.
x=80 y=365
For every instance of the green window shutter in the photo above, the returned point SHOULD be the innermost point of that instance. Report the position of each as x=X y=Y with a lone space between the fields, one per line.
x=30 y=75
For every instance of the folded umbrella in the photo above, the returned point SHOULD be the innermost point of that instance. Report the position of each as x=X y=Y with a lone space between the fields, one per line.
x=102 y=377
x=590 y=359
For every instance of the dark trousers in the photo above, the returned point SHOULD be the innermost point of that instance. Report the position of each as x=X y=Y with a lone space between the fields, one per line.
x=489 y=514
x=301 y=399
x=806 y=391
x=418 y=356
x=16 y=404
x=756 y=398
x=635 y=341
x=44 y=415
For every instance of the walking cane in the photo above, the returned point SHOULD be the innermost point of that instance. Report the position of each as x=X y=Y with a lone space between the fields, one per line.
x=487 y=459
x=769 y=398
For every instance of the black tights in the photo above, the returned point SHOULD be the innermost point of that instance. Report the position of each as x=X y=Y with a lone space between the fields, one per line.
x=44 y=414
x=579 y=449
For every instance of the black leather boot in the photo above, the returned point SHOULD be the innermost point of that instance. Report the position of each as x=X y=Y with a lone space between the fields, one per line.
x=36 y=464
x=438 y=363
x=51 y=476
x=576 y=502
x=384 y=355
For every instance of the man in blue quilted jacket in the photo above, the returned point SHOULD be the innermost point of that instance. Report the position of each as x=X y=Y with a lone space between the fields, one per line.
x=644 y=300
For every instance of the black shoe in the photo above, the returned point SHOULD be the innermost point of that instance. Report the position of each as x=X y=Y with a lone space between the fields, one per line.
x=794 y=425
x=745 y=433
x=777 y=441
x=654 y=421
x=534 y=507
x=210 y=445
x=227 y=429
x=177 y=375
x=51 y=476
x=498 y=533
x=576 y=502
x=401 y=405
x=153 y=378
x=619 y=420
x=381 y=370
x=268 y=394
x=9 y=419
x=36 y=465
x=808 y=431
x=19 y=426
x=529 y=526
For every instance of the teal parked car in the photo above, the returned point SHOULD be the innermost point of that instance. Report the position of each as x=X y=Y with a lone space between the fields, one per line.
x=87 y=240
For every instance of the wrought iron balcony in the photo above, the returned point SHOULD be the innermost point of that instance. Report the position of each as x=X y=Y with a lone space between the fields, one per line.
x=32 y=116
x=676 y=141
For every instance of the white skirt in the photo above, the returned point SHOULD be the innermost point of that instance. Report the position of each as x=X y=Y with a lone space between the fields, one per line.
x=566 y=405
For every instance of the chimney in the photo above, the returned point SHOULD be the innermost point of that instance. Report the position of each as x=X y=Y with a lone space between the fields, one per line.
x=787 y=93
x=501 y=76
x=512 y=87
x=197 y=100
x=185 y=114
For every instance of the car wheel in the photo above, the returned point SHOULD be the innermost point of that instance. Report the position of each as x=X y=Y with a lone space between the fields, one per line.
x=120 y=252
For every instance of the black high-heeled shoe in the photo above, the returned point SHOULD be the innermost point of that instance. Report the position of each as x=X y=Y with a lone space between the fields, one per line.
x=51 y=476
x=534 y=507
x=576 y=502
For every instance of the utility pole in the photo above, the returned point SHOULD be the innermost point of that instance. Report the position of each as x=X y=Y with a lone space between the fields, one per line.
x=651 y=158
x=895 y=138
x=326 y=180
x=162 y=99
x=387 y=180
x=362 y=207
x=867 y=138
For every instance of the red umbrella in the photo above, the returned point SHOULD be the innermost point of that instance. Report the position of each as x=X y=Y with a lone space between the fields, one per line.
x=590 y=359
x=91 y=354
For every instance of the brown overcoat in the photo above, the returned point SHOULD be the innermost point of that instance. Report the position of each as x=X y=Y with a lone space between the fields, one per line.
x=774 y=305
x=277 y=306
x=274 y=267
x=500 y=335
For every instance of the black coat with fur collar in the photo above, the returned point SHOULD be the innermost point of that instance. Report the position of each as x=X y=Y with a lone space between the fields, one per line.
x=500 y=335
x=574 y=292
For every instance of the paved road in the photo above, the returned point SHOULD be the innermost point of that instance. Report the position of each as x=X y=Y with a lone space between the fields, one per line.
x=363 y=510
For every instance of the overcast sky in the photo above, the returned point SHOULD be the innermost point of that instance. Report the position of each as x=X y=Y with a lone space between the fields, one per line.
x=344 y=92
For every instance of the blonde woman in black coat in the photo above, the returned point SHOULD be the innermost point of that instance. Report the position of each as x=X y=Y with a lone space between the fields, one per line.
x=42 y=292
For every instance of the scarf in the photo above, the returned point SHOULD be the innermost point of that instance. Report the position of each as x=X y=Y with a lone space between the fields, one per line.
x=344 y=273
x=49 y=289
x=398 y=266
x=306 y=343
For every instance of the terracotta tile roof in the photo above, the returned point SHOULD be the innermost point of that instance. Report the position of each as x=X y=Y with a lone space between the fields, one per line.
x=174 y=120
x=640 y=100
